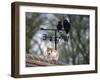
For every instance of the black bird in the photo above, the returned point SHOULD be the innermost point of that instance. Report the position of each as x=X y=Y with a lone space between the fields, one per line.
x=66 y=26
x=59 y=26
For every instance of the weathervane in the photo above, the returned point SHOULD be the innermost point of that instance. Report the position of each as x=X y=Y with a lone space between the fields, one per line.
x=60 y=26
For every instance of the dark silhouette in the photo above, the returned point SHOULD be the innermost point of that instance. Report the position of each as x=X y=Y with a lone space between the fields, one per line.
x=59 y=26
x=66 y=26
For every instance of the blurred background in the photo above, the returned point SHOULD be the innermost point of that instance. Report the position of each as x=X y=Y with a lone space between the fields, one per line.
x=75 y=51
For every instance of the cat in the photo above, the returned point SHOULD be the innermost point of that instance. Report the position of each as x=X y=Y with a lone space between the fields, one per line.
x=52 y=54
